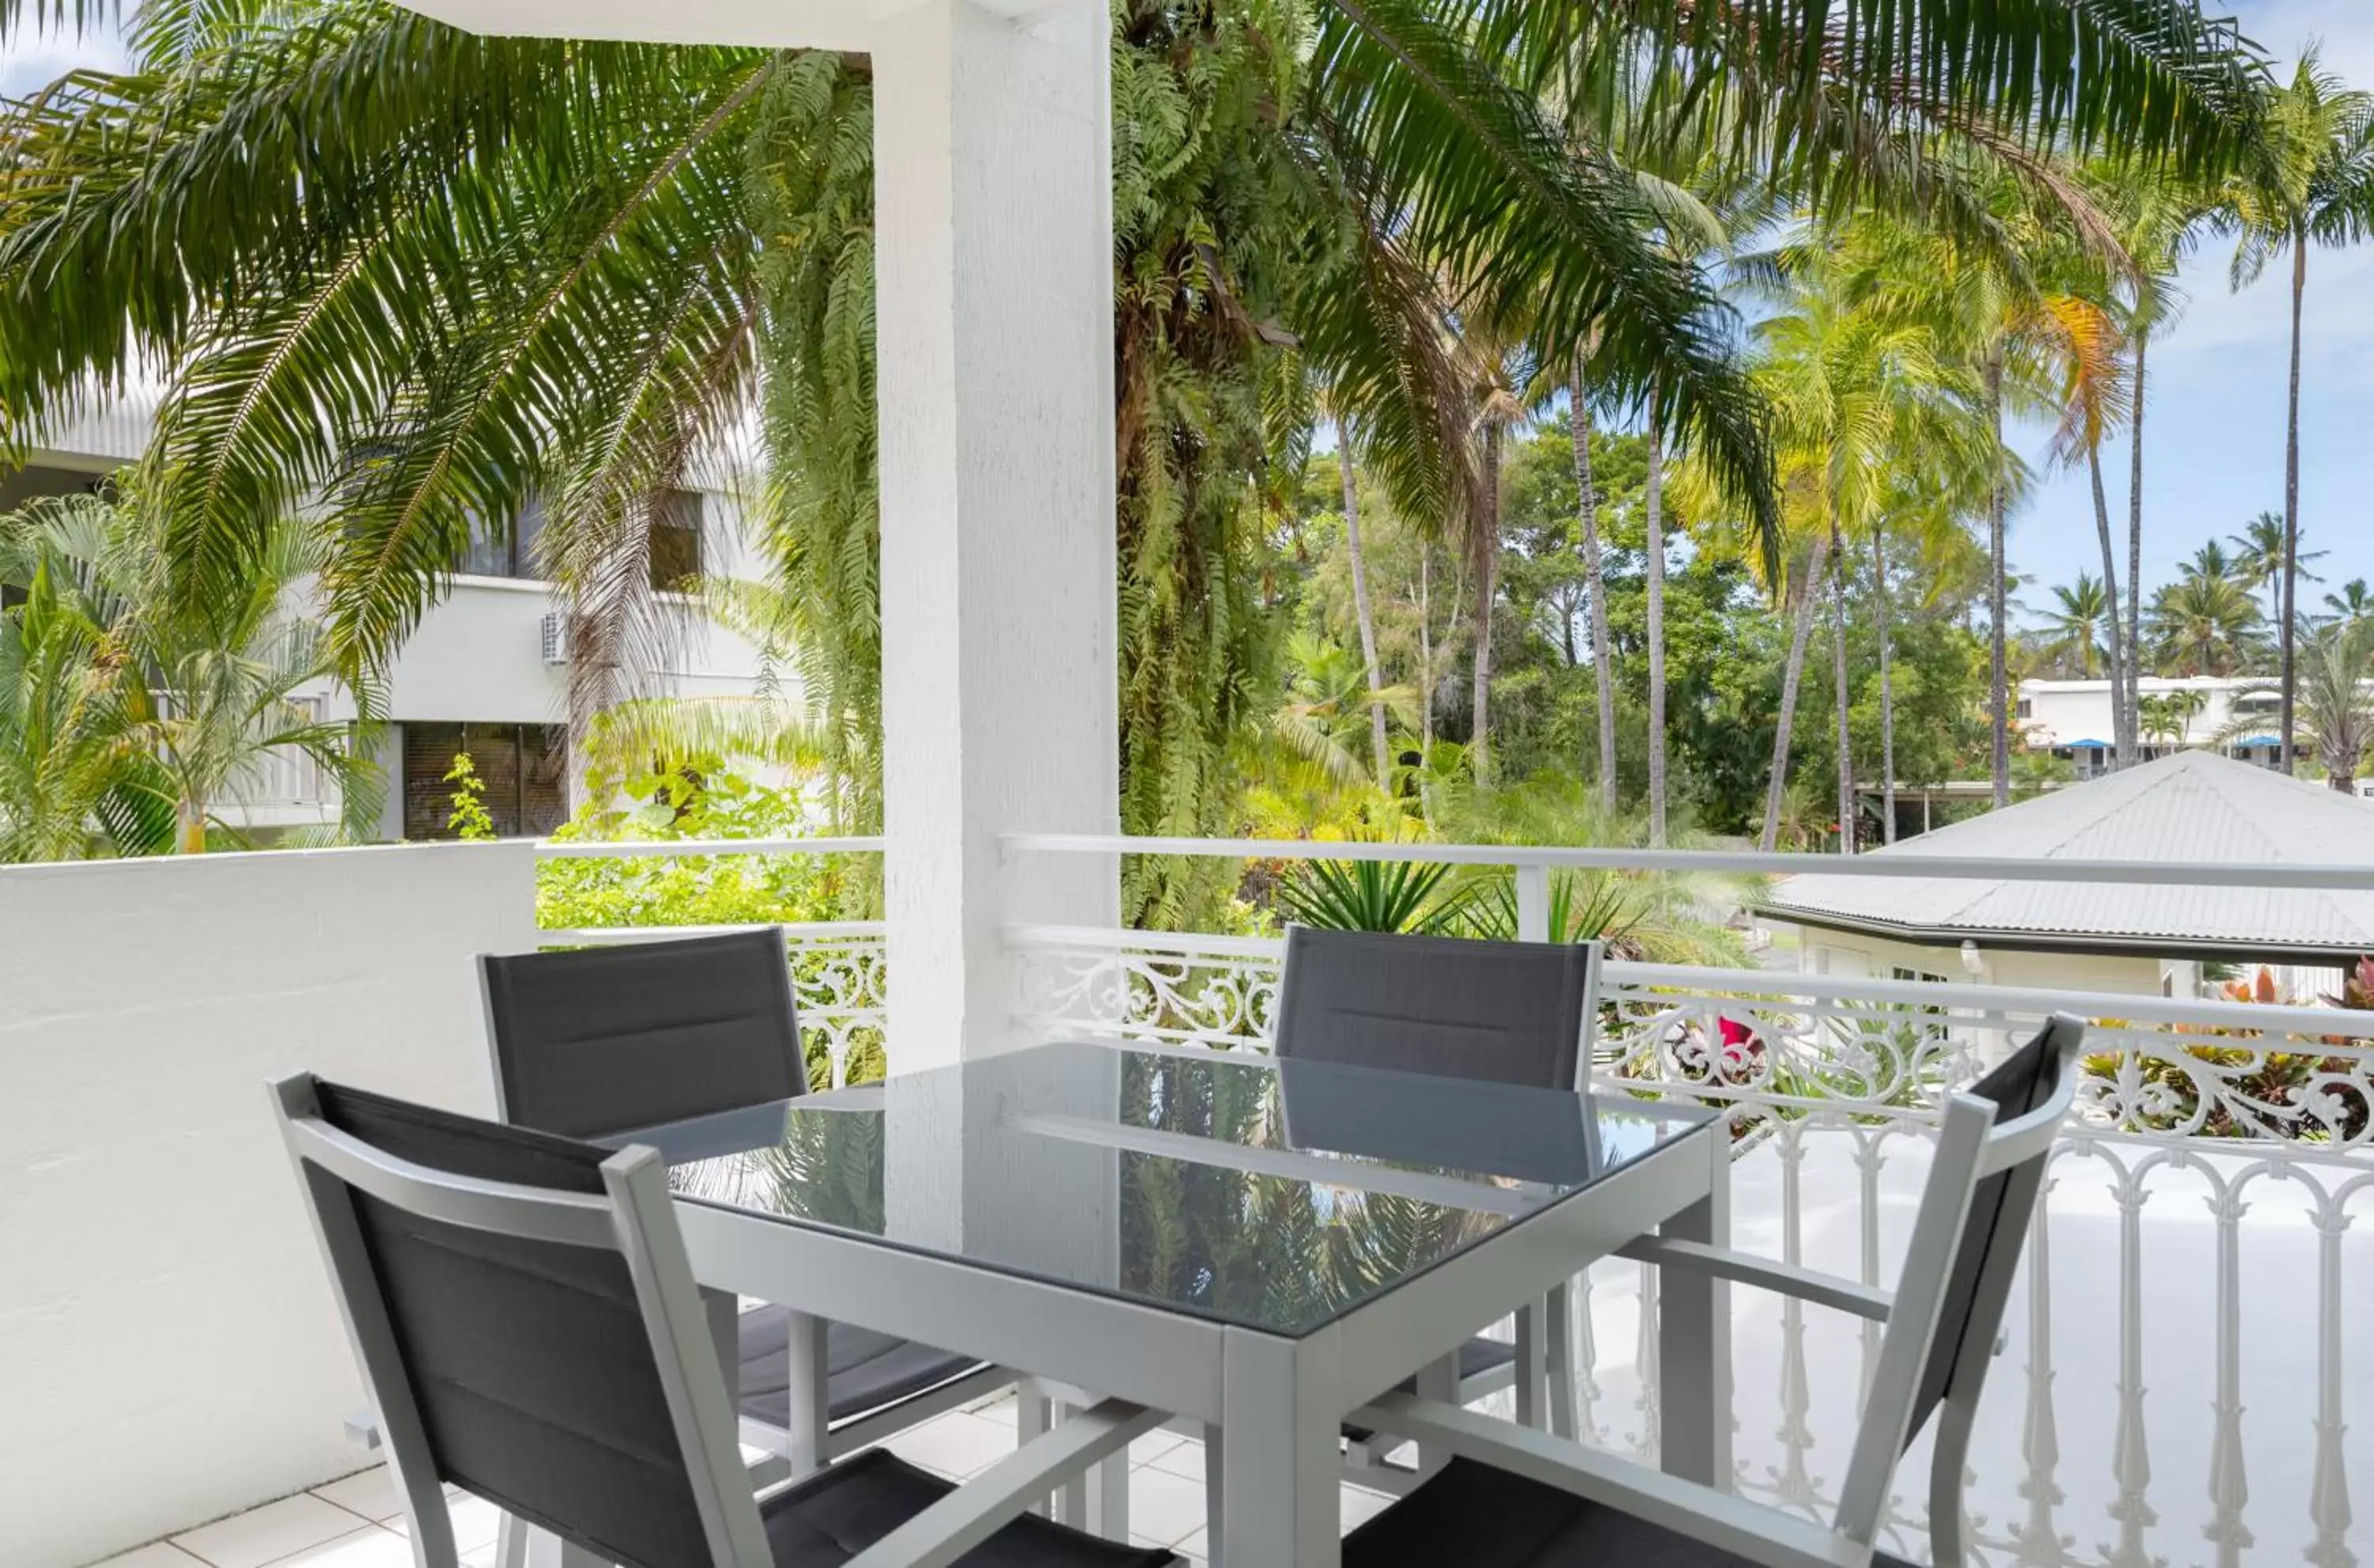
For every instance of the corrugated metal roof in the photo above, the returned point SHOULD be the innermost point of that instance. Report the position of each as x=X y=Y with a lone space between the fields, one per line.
x=2194 y=806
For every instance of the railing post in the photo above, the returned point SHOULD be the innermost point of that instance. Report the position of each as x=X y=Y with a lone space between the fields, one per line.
x=1533 y=902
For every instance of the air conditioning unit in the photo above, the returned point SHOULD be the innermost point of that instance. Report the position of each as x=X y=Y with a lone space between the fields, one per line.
x=555 y=638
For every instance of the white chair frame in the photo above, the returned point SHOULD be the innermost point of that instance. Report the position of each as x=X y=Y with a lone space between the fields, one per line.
x=635 y=1218
x=1970 y=1148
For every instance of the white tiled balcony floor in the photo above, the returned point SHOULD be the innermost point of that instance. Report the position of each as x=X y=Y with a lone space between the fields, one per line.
x=358 y=1523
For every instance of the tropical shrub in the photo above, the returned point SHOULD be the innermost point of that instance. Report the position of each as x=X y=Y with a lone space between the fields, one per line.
x=693 y=800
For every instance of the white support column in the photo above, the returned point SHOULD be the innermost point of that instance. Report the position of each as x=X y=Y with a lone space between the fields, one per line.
x=995 y=308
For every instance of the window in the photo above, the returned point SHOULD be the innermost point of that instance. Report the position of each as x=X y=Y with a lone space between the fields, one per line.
x=507 y=550
x=1900 y=973
x=2026 y=708
x=524 y=766
x=676 y=540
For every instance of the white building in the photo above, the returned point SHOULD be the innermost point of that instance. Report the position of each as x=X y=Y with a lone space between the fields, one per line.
x=2072 y=719
x=483 y=672
x=2149 y=940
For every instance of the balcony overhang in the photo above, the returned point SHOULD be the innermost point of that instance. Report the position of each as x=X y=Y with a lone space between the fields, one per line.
x=765 y=24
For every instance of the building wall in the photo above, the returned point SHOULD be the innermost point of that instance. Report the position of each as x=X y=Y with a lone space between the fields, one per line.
x=169 y=1350
x=2056 y=714
x=1855 y=955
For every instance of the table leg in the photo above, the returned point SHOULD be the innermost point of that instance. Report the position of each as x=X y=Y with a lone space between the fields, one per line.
x=1559 y=1360
x=1531 y=1367
x=1437 y=1381
x=545 y=1550
x=1279 y=1500
x=811 y=1399
x=1694 y=1339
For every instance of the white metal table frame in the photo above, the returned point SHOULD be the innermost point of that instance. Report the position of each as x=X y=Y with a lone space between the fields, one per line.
x=1273 y=1404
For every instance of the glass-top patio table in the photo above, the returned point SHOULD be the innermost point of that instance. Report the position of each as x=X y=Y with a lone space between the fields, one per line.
x=1258 y=1243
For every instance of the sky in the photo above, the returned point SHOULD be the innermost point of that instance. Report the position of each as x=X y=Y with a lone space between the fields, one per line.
x=2213 y=433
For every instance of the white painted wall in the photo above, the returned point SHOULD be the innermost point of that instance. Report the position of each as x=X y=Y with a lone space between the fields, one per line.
x=2062 y=711
x=477 y=657
x=169 y=1347
x=1848 y=954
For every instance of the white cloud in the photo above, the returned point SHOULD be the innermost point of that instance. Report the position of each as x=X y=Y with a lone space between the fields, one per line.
x=28 y=61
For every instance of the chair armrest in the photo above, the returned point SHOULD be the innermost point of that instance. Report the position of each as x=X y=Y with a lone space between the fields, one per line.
x=1720 y=1519
x=981 y=1507
x=1741 y=1268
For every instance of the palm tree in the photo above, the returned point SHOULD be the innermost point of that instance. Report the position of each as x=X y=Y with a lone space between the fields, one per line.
x=2203 y=624
x=2336 y=702
x=2094 y=398
x=1857 y=393
x=2353 y=604
x=662 y=238
x=2168 y=715
x=2156 y=218
x=75 y=778
x=2311 y=181
x=206 y=686
x=2260 y=563
x=1360 y=610
x=2076 y=625
x=1603 y=653
x=2019 y=315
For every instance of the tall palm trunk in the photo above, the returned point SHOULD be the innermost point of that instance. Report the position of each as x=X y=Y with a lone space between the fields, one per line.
x=2135 y=698
x=1656 y=551
x=1838 y=686
x=1360 y=603
x=1793 y=675
x=1998 y=693
x=1424 y=653
x=2291 y=500
x=1885 y=613
x=1487 y=546
x=2121 y=726
x=1601 y=656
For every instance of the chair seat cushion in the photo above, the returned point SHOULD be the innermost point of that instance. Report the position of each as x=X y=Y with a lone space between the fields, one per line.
x=1472 y=1516
x=864 y=1371
x=838 y=1512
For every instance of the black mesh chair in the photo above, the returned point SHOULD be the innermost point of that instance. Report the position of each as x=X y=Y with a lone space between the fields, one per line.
x=1512 y=1498
x=1507 y=1012
x=522 y=1309
x=604 y=1041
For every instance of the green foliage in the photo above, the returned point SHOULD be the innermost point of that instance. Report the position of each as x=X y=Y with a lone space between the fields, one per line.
x=1374 y=896
x=469 y=818
x=687 y=803
x=695 y=800
x=811 y=198
x=134 y=702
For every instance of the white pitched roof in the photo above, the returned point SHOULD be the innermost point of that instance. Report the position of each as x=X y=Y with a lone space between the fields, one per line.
x=2194 y=806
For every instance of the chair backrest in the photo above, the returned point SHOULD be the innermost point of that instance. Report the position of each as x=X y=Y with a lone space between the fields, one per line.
x=524 y=1313
x=609 y=1039
x=1507 y=1012
x=1995 y=1231
x=1967 y=1237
